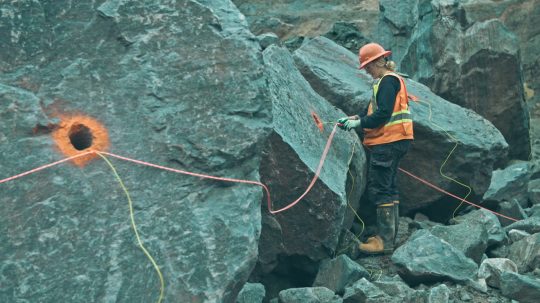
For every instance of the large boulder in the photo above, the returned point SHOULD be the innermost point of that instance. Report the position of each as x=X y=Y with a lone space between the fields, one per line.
x=426 y=258
x=333 y=72
x=290 y=159
x=474 y=65
x=508 y=184
x=489 y=220
x=178 y=83
x=518 y=16
x=468 y=237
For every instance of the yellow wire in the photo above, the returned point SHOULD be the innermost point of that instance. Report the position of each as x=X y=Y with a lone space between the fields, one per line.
x=447 y=158
x=350 y=206
x=135 y=226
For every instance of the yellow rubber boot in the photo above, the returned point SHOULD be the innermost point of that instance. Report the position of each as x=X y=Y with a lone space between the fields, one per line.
x=383 y=243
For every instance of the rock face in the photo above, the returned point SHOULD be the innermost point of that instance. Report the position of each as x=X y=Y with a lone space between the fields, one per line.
x=290 y=158
x=332 y=72
x=149 y=72
x=289 y=18
x=475 y=65
x=521 y=17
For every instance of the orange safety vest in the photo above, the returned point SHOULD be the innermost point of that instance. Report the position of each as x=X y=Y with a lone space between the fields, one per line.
x=400 y=125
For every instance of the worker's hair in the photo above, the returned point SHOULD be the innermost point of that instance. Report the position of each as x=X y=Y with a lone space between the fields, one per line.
x=389 y=64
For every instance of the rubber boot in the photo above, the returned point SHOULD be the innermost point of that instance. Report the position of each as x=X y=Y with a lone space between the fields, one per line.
x=396 y=213
x=383 y=243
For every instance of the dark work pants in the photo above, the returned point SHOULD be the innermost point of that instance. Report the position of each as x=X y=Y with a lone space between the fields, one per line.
x=382 y=171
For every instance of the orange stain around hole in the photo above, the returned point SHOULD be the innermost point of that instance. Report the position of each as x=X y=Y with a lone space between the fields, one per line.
x=318 y=121
x=79 y=134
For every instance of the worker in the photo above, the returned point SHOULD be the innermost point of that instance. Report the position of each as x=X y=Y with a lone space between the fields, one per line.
x=388 y=132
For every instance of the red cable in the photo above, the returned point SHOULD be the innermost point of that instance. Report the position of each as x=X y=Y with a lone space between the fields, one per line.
x=452 y=195
x=44 y=167
x=269 y=201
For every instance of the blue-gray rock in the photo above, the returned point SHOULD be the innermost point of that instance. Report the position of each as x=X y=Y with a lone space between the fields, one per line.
x=515 y=235
x=534 y=211
x=439 y=294
x=516 y=15
x=309 y=295
x=426 y=258
x=333 y=72
x=489 y=220
x=491 y=270
x=251 y=293
x=305 y=18
x=363 y=291
x=177 y=83
x=469 y=237
x=290 y=159
x=511 y=209
x=336 y=274
x=267 y=39
x=396 y=24
x=533 y=191
x=530 y=225
x=421 y=221
x=454 y=59
x=347 y=35
x=525 y=289
x=507 y=184
x=526 y=253
x=396 y=288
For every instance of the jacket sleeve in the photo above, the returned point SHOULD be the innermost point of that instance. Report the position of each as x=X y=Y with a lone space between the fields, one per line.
x=386 y=97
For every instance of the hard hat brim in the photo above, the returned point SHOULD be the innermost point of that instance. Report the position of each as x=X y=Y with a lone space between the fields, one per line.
x=385 y=54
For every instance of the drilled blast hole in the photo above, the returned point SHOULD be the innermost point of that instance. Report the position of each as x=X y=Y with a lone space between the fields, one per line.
x=80 y=136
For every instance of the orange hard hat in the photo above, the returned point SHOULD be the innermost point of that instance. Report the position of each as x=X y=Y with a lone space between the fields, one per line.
x=371 y=52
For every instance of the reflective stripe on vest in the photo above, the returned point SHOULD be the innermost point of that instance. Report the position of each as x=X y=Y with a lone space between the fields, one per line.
x=399 y=126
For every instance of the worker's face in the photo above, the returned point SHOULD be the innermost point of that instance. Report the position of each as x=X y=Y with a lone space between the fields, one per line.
x=370 y=69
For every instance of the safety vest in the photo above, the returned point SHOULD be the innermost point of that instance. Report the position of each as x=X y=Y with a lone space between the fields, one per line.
x=400 y=125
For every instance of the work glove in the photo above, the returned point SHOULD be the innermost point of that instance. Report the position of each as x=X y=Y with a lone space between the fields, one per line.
x=350 y=124
x=341 y=122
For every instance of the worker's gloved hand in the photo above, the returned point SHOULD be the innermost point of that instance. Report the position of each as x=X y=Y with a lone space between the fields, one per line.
x=341 y=122
x=350 y=124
